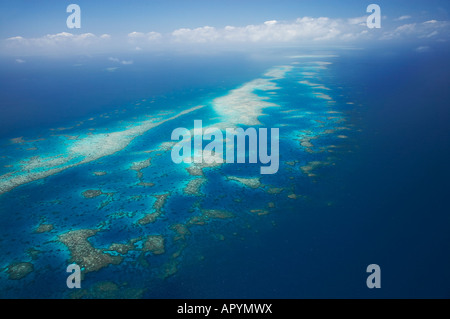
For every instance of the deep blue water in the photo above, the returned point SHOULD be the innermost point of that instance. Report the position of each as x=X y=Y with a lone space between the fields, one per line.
x=383 y=201
x=46 y=92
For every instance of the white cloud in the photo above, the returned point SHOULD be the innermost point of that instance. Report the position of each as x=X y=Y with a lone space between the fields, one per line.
x=406 y=29
x=18 y=38
x=271 y=22
x=305 y=30
x=20 y=61
x=355 y=36
x=151 y=36
x=360 y=20
x=134 y=35
x=302 y=29
x=117 y=60
x=198 y=35
x=426 y=29
x=56 y=43
x=141 y=40
x=432 y=34
x=311 y=30
x=422 y=49
x=154 y=36
x=401 y=18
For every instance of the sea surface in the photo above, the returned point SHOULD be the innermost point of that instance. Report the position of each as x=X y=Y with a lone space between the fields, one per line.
x=87 y=177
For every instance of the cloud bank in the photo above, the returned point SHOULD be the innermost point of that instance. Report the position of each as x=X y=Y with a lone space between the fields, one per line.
x=63 y=41
x=305 y=30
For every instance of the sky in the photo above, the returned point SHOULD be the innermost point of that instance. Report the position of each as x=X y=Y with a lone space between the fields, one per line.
x=39 y=27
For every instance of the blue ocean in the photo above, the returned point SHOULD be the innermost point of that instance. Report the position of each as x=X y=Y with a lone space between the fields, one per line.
x=87 y=177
